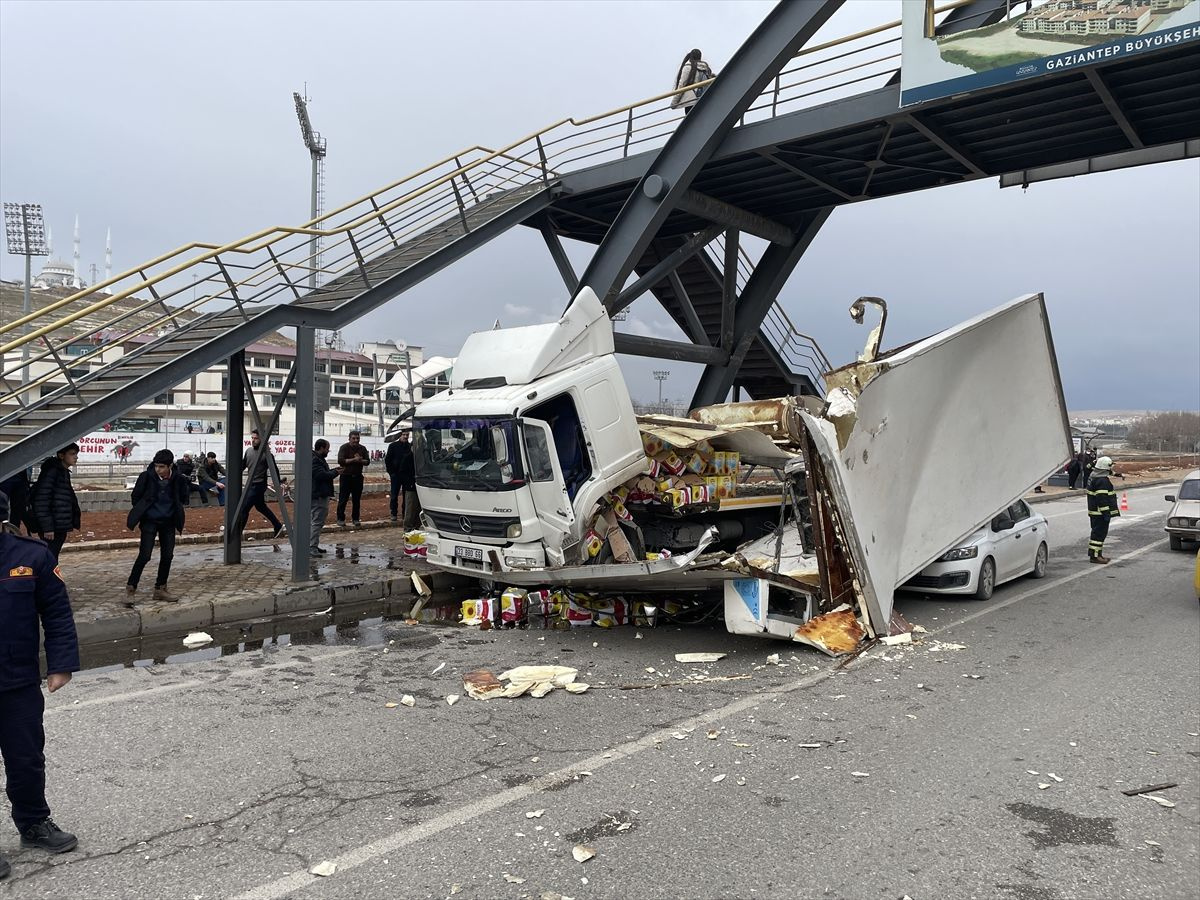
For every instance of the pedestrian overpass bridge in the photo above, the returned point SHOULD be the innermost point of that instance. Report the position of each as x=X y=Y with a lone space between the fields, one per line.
x=786 y=134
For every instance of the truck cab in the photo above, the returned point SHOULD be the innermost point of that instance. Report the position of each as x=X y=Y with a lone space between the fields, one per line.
x=536 y=427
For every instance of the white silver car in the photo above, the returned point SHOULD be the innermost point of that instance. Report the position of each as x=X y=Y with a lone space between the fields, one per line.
x=1013 y=544
x=1183 y=521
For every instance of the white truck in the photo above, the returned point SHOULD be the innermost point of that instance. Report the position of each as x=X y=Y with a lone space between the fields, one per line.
x=911 y=451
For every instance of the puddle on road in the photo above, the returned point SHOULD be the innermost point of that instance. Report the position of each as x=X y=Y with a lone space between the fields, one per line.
x=368 y=624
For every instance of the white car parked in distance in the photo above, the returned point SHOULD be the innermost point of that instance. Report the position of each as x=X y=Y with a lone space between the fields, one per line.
x=1183 y=521
x=1013 y=544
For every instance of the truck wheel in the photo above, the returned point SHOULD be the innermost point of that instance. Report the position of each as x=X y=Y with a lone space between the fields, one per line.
x=987 y=580
x=1176 y=542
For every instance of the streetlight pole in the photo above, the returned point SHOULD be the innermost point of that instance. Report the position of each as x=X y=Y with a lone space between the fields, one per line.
x=661 y=375
x=316 y=151
x=25 y=231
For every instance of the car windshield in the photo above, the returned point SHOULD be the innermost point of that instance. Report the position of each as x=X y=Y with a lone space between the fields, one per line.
x=1190 y=489
x=467 y=454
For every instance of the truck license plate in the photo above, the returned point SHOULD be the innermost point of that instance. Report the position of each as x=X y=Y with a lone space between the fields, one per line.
x=469 y=553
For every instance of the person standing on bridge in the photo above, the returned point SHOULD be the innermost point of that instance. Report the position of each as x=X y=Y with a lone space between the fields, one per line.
x=32 y=594
x=692 y=70
x=352 y=458
x=1102 y=508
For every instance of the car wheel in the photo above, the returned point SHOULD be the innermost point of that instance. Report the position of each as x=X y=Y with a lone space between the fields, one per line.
x=1039 y=562
x=1176 y=542
x=987 y=580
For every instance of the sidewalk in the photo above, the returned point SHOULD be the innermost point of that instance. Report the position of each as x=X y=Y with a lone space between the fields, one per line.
x=361 y=565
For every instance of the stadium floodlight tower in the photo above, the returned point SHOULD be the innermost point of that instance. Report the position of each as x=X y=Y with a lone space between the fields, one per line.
x=25 y=230
x=316 y=151
x=661 y=375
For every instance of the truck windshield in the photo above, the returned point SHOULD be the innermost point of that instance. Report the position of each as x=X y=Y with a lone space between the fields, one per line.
x=467 y=454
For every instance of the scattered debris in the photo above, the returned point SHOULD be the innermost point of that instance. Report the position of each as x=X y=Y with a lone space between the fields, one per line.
x=861 y=774
x=1055 y=777
x=422 y=590
x=679 y=736
x=638 y=636
x=939 y=646
x=513 y=879
x=1032 y=772
x=809 y=746
x=773 y=659
x=577 y=687
x=451 y=699
x=197 y=639
x=1043 y=785
x=1150 y=789
x=698 y=680
x=1161 y=801
x=326 y=611
x=390 y=705
x=1152 y=843
x=741 y=781
x=408 y=700
x=582 y=854
x=438 y=669
x=697 y=658
x=713 y=735
x=717 y=779
x=455 y=888
x=893 y=639
x=535 y=814
x=482 y=685
x=324 y=869
x=833 y=633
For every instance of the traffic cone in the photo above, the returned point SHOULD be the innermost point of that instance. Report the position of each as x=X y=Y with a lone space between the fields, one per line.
x=1124 y=501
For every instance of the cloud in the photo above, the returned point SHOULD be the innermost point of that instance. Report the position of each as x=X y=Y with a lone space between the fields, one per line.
x=654 y=329
x=513 y=309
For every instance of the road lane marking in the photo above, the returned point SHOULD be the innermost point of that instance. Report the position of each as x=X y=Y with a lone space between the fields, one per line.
x=282 y=887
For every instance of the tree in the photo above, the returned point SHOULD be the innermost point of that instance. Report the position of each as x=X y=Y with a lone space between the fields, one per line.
x=1178 y=432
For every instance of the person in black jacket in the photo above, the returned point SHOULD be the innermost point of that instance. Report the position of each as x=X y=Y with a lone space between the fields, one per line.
x=322 y=493
x=32 y=593
x=1102 y=508
x=407 y=470
x=17 y=489
x=53 y=508
x=399 y=464
x=159 y=499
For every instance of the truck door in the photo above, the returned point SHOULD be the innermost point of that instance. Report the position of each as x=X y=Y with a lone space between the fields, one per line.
x=547 y=488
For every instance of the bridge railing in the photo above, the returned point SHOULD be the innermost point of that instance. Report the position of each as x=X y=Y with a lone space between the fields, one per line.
x=278 y=265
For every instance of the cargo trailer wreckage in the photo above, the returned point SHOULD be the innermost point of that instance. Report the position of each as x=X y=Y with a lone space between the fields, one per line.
x=534 y=473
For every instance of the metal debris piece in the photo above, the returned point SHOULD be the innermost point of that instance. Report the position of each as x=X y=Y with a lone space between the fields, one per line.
x=408 y=700
x=699 y=657
x=1150 y=789
x=582 y=854
x=1161 y=801
x=197 y=639
x=324 y=869
x=832 y=633
x=482 y=685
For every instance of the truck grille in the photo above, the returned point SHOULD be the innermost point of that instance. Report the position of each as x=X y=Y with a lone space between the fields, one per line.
x=476 y=525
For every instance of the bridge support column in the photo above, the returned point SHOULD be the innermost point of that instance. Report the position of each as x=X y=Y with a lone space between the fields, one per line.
x=769 y=277
x=302 y=470
x=235 y=415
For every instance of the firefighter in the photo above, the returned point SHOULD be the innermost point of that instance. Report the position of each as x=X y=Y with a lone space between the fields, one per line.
x=1102 y=506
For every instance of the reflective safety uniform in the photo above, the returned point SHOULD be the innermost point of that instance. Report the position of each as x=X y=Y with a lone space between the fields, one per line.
x=31 y=592
x=1102 y=506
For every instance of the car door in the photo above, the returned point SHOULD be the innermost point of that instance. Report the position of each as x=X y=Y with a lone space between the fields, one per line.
x=1005 y=547
x=1029 y=534
x=547 y=488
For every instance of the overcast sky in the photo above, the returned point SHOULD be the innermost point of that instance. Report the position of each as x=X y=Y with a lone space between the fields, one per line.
x=174 y=122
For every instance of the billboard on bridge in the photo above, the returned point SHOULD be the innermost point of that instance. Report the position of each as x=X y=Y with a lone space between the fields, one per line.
x=1037 y=38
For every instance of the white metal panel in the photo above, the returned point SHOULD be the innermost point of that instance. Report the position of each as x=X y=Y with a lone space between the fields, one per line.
x=945 y=433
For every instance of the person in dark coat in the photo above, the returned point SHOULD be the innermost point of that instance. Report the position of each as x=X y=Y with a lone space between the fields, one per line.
x=53 y=507
x=407 y=473
x=212 y=477
x=263 y=462
x=322 y=493
x=159 y=499
x=32 y=594
x=1074 y=469
x=17 y=489
x=399 y=460
x=352 y=458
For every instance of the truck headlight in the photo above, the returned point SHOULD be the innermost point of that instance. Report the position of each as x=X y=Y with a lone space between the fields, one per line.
x=959 y=553
x=519 y=562
x=431 y=549
x=513 y=530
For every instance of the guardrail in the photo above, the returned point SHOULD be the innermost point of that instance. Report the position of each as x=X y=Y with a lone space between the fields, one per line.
x=276 y=265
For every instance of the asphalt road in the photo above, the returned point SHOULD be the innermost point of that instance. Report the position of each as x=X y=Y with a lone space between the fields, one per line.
x=909 y=772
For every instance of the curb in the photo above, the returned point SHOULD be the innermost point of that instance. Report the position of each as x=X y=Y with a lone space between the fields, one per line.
x=165 y=618
x=213 y=537
x=1046 y=498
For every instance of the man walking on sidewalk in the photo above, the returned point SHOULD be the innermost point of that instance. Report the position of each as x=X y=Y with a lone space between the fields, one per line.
x=322 y=493
x=32 y=593
x=159 y=499
x=256 y=485
x=1102 y=507
x=352 y=459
